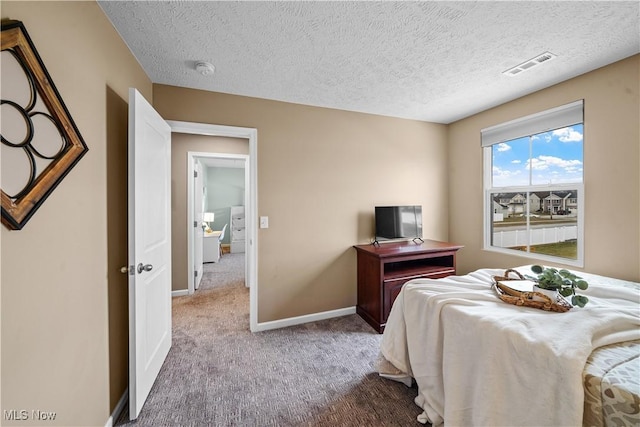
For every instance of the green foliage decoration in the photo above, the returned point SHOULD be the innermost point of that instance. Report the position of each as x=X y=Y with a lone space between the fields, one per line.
x=563 y=281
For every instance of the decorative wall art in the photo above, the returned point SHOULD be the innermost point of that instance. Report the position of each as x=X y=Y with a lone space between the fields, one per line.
x=40 y=141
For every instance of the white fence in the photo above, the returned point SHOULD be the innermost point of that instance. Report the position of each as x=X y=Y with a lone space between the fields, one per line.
x=539 y=236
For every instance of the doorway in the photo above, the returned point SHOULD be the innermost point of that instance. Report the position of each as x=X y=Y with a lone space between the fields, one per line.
x=251 y=203
x=227 y=177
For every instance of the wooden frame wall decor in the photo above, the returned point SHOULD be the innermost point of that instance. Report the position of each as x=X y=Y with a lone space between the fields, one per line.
x=40 y=141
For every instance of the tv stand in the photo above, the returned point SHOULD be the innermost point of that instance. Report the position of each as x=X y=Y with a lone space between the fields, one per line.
x=414 y=240
x=384 y=268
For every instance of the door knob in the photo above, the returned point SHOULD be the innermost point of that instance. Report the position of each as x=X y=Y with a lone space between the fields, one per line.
x=142 y=267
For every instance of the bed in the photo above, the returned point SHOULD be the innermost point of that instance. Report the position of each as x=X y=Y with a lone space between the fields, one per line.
x=478 y=361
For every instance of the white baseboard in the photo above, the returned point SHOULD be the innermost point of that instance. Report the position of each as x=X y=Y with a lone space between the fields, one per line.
x=118 y=409
x=292 y=321
x=180 y=293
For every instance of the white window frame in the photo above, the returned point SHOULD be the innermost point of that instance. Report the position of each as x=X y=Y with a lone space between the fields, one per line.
x=555 y=118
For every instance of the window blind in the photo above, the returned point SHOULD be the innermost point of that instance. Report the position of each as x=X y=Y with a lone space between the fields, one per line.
x=554 y=118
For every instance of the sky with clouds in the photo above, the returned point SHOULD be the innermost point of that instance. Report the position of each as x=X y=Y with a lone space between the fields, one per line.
x=556 y=158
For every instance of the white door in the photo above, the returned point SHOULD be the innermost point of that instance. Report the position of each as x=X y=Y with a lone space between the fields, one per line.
x=149 y=248
x=198 y=232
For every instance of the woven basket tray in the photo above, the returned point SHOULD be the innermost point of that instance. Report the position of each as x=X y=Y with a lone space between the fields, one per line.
x=527 y=299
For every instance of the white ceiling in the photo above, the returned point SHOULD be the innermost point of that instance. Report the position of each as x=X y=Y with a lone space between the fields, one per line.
x=431 y=61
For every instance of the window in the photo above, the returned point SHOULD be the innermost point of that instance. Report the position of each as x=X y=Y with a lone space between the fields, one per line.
x=533 y=184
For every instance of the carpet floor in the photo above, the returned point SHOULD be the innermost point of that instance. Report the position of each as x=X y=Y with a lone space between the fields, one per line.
x=218 y=373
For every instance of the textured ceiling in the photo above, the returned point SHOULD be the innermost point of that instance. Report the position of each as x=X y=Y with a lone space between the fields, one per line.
x=431 y=61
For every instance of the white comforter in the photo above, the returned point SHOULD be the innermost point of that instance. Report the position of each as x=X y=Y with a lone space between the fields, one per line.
x=481 y=362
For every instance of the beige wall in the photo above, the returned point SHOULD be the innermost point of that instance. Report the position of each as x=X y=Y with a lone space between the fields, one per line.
x=64 y=302
x=181 y=144
x=320 y=174
x=611 y=165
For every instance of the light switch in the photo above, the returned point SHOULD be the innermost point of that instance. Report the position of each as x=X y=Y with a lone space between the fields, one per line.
x=264 y=222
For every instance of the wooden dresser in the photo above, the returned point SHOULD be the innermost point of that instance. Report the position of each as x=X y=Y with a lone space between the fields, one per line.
x=384 y=268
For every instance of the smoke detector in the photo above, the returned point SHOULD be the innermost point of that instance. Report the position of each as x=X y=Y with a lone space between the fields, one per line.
x=527 y=65
x=205 y=68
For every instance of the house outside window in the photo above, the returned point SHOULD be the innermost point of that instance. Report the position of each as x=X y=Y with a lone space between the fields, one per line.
x=533 y=186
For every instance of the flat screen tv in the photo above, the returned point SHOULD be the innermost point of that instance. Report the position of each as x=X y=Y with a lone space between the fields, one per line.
x=398 y=222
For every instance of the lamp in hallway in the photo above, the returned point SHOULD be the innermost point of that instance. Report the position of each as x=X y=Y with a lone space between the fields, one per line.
x=208 y=217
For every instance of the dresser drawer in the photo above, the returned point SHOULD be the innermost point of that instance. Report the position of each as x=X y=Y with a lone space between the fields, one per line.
x=393 y=287
x=237 y=246
x=238 y=234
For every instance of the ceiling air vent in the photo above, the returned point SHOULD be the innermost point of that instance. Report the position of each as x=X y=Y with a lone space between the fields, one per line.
x=531 y=63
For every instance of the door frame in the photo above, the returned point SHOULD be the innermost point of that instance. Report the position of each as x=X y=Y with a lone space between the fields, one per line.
x=192 y=250
x=251 y=208
x=192 y=156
